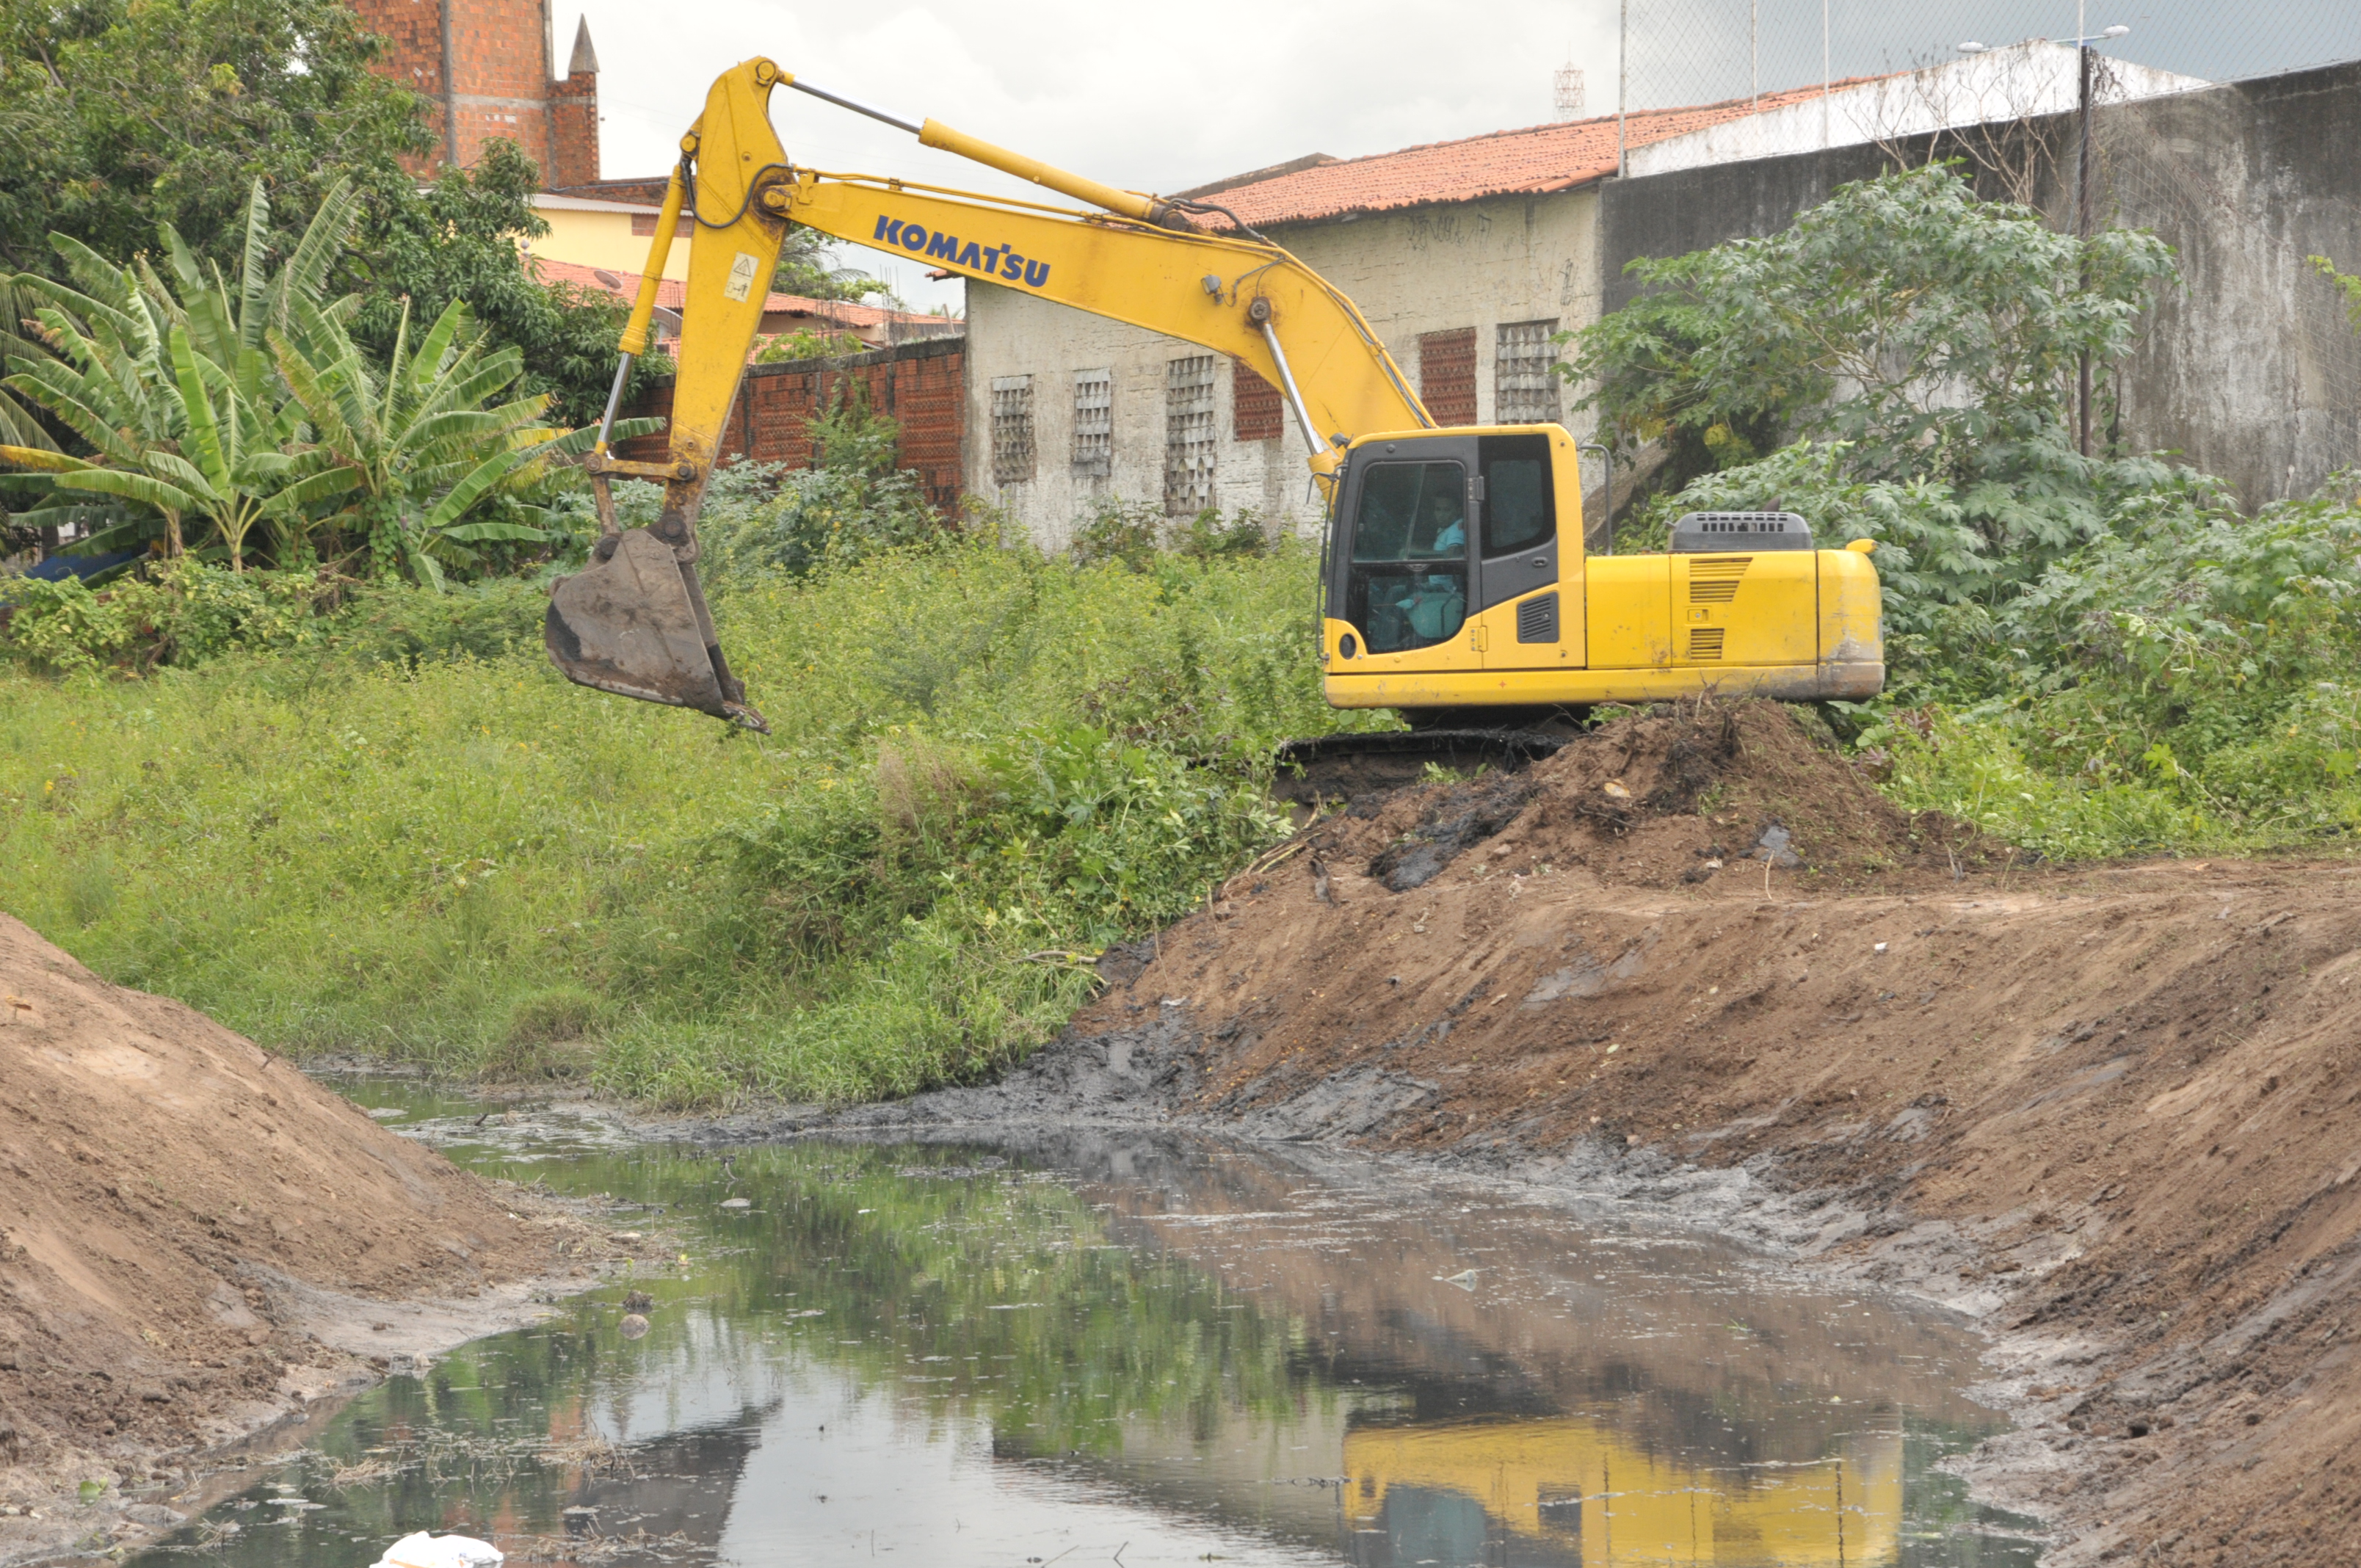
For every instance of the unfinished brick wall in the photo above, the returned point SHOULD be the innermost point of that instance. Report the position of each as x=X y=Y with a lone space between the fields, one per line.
x=484 y=65
x=573 y=132
x=922 y=385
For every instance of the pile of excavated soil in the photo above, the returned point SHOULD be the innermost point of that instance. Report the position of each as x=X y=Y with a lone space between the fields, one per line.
x=1679 y=797
x=2113 y=1112
x=189 y=1227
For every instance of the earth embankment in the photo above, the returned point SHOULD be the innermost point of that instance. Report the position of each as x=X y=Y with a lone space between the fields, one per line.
x=196 y=1241
x=2114 y=1113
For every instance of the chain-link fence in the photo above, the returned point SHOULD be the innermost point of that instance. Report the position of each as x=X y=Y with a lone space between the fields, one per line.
x=1678 y=53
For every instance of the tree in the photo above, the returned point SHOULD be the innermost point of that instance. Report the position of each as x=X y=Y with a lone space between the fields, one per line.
x=1903 y=316
x=806 y=268
x=253 y=405
x=415 y=443
x=457 y=240
x=117 y=116
x=172 y=388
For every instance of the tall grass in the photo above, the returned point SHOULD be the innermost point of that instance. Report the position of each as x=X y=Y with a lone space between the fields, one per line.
x=986 y=764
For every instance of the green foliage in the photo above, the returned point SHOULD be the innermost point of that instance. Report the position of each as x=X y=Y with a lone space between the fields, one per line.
x=765 y=518
x=1903 y=317
x=1136 y=532
x=457 y=240
x=252 y=406
x=2185 y=681
x=402 y=838
x=2347 y=285
x=804 y=345
x=119 y=116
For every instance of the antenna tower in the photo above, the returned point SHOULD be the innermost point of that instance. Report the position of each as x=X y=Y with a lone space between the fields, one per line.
x=1569 y=91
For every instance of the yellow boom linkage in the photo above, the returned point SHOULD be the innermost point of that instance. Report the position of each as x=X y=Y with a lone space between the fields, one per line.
x=1455 y=577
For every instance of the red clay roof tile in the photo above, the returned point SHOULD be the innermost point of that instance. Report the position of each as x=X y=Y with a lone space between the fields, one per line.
x=1521 y=162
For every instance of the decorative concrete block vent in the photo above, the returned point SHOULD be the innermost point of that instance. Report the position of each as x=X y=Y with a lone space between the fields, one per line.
x=1523 y=390
x=1189 y=435
x=1093 y=424
x=1012 y=429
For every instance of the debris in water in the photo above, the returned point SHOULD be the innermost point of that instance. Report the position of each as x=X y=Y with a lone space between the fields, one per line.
x=1464 y=1279
x=638 y=1301
x=737 y=1202
x=424 y=1551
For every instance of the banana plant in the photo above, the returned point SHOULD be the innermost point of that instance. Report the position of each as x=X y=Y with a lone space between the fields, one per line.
x=233 y=469
x=415 y=442
x=420 y=445
x=200 y=431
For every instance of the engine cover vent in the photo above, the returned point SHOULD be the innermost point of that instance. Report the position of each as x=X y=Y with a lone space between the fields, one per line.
x=1700 y=533
x=1715 y=579
x=1537 y=619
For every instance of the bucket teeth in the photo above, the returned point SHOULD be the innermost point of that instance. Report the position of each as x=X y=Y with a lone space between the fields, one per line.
x=629 y=625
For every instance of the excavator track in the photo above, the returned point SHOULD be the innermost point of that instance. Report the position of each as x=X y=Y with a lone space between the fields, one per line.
x=1328 y=768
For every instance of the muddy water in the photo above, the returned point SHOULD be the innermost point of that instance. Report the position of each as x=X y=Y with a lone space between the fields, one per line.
x=1139 y=1349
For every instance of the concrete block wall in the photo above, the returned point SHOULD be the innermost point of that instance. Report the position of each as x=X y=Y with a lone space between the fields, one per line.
x=2248 y=369
x=922 y=385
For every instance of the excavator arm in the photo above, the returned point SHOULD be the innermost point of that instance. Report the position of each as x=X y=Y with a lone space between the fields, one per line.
x=635 y=621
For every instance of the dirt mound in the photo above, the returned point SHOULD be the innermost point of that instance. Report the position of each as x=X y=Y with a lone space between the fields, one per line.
x=177 y=1203
x=2113 y=1112
x=1682 y=795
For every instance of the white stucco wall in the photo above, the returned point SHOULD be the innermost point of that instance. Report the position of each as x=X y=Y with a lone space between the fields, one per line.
x=2019 y=81
x=1478 y=265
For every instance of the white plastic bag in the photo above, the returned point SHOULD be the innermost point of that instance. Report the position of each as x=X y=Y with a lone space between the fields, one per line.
x=424 y=1551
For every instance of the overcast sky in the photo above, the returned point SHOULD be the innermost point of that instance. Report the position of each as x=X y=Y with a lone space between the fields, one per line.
x=1152 y=97
x=1163 y=97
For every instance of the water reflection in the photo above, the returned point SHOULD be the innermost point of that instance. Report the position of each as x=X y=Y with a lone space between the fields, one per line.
x=1139 y=1349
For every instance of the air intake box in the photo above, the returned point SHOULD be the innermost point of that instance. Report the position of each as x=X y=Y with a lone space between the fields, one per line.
x=1728 y=533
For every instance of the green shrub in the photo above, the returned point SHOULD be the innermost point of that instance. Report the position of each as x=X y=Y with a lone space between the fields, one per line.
x=412 y=836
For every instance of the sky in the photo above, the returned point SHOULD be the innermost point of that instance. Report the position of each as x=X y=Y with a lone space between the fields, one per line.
x=1164 y=97
x=1140 y=96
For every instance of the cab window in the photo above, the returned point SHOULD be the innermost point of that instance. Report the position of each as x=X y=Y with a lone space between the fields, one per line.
x=1407 y=587
x=1520 y=509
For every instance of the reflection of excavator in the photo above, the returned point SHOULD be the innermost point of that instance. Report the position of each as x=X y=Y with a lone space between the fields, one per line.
x=1576 y=1491
x=1454 y=577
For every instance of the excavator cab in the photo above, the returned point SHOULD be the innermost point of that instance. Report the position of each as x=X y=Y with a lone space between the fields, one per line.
x=1448 y=556
x=1457 y=589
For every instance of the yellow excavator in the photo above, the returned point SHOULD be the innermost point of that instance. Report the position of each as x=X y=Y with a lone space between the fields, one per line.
x=1455 y=584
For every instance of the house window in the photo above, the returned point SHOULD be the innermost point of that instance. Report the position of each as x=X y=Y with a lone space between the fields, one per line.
x=1255 y=412
x=1189 y=435
x=1093 y=424
x=645 y=225
x=1523 y=390
x=1446 y=374
x=1012 y=429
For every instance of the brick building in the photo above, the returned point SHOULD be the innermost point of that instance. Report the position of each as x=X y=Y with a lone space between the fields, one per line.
x=484 y=67
x=923 y=385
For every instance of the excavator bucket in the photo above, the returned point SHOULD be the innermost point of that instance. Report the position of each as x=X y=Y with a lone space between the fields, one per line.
x=634 y=624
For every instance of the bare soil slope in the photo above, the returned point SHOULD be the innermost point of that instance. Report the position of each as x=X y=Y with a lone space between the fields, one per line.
x=176 y=1206
x=2117 y=1110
